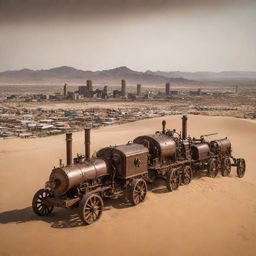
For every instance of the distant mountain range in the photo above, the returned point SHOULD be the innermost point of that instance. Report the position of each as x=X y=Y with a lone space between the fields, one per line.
x=209 y=76
x=71 y=75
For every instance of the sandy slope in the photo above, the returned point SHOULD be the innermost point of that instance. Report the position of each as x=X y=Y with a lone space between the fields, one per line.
x=210 y=216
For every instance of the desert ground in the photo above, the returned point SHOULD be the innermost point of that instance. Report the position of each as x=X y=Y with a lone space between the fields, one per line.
x=208 y=217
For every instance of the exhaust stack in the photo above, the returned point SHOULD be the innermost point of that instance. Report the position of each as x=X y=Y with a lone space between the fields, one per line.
x=87 y=142
x=184 y=127
x=163 y=124
x=69 y=148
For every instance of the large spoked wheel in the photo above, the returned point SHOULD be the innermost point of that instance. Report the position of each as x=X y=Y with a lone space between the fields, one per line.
x=241 y=167
x=91 y=208
x=213 y=168
x=172 y=180
x=186 y=175
x=225 y=167
x=138 y=191
x=39 y=203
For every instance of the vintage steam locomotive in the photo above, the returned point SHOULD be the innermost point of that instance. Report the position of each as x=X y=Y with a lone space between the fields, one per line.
x=125 y=170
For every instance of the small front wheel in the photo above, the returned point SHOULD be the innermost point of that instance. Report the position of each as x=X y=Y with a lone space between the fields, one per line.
x=39 y=203
x=91 y=208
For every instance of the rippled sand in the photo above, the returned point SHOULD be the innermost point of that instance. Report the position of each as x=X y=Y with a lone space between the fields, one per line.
x=208 y=217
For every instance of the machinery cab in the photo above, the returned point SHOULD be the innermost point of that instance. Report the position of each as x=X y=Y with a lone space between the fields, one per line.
x=126 y=161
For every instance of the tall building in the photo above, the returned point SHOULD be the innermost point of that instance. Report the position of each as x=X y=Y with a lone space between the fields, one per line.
x=82 y=90
x=89 y=85
x=65 y=90
x=123 y=88
x=138 y=89
x=167 y=89
x=105 y=92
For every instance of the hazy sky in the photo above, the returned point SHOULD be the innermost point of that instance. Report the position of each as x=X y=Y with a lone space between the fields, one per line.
x=192 y=35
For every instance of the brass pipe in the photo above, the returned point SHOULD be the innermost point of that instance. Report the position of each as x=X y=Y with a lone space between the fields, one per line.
x=69 y=148
x=87 y=142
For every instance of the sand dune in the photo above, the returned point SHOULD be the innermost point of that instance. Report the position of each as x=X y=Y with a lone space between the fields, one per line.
x=210 y=216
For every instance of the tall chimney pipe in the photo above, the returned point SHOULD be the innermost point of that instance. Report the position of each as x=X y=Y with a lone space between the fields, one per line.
x=163 y=124
x=184 y=127
x=69 y=148
x=87 y=142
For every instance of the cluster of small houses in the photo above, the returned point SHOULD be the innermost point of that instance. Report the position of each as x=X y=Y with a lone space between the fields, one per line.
x=36 y=123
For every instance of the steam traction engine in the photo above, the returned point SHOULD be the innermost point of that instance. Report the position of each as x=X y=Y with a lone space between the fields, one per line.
x=125 y=170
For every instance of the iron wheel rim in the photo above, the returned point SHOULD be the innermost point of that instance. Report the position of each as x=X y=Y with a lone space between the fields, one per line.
x=241 y=167
x=213 y=168
x=92 y=209
x=187 y=175
x=39 y=205
x=226 y=167
x=172 y=180
x=139 y=192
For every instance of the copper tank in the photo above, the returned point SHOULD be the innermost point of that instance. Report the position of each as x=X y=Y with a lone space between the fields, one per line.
x=159 y=145
x=63 y=179
x=222 y=146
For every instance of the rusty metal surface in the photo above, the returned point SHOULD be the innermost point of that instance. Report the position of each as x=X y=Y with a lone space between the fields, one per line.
x=159 y=145
x=65 y=178
x=200 y=151
x=127 y=160
x=222 y=146
x=131 y=149
x=115 y=169
x=61 y=203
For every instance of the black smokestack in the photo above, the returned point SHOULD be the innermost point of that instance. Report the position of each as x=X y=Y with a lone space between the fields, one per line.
x=184 y=127
x=163 y=125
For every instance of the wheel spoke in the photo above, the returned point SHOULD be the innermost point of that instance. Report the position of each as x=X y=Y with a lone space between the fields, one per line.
x=40 y=205
x=92 y=208
x=88 y=217
x=86 y=213
x=89 y=203
x=96 y=215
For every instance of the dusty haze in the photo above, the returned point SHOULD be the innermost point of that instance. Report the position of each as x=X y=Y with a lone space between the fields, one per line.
x=159 y=35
